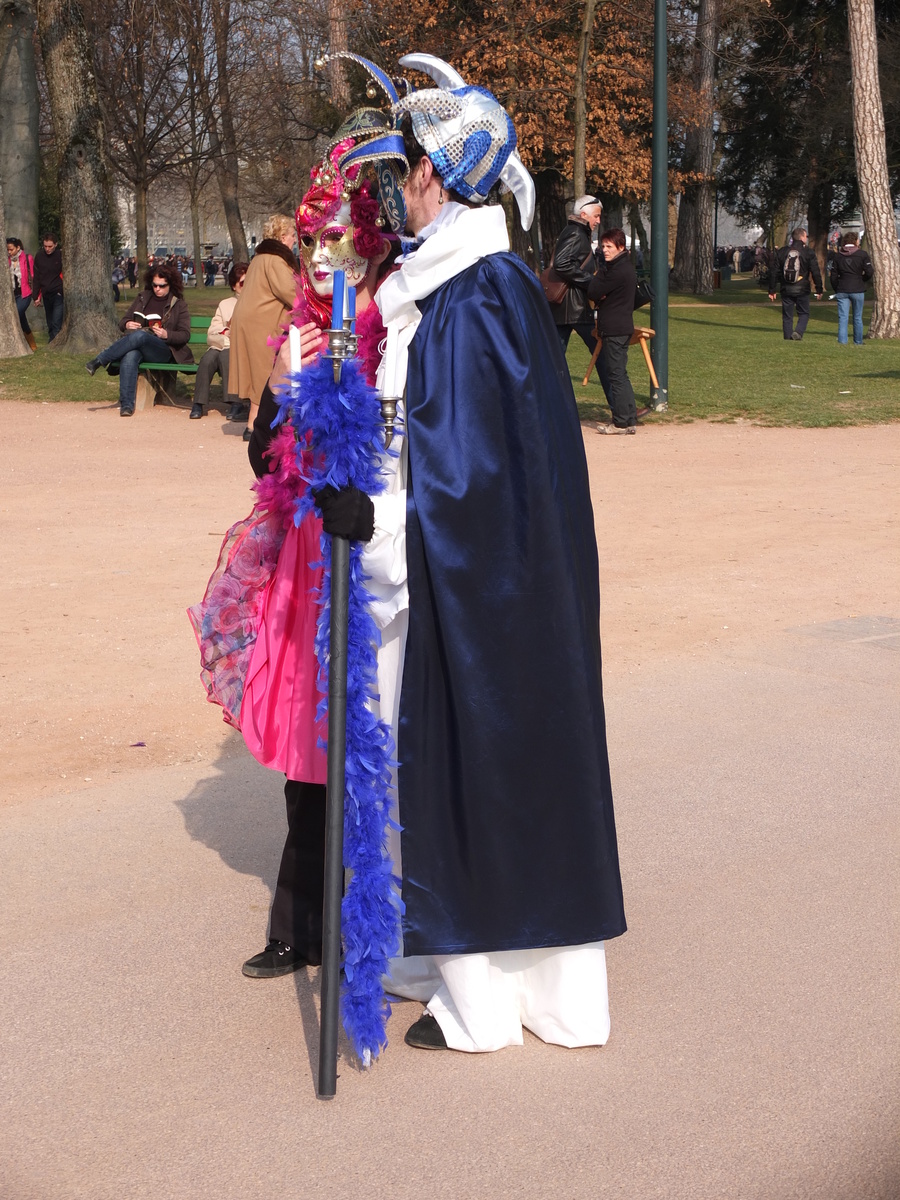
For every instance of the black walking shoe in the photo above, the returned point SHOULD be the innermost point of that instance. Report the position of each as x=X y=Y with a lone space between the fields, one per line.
x=277 y=959
x=127 y=410
x=92 y=366
x=426 y=1034
x=196 y=412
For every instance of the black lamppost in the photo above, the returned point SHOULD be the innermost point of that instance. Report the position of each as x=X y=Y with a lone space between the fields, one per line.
x=659 y=212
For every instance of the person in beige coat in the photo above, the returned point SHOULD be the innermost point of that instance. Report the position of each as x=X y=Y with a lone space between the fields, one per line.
x=218 y=338
x=263 y=309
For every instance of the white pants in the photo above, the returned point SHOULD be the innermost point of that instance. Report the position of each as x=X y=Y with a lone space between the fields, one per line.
x=483 y=1001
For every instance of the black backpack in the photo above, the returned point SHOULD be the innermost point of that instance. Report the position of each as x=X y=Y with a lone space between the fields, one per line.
x=793 y=271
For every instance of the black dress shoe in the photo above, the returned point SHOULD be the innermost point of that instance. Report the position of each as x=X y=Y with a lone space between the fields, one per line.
x=239 y=412
x=247 y=434
x=277 y=959
x=426 y=1034
x=196 y=412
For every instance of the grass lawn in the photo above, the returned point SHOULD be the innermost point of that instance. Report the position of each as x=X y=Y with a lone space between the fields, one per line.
x=727 y=361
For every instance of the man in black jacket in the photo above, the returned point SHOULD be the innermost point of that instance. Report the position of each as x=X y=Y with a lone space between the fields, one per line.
x=48 y=284
x=573 y=260
x=794 y=266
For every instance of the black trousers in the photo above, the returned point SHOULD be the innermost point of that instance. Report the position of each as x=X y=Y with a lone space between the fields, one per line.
x=585 y=330
x=296 y=917
x=788 y=304
x=619 y=392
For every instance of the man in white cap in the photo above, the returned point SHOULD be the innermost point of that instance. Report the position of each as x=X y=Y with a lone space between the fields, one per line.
x=575 y=262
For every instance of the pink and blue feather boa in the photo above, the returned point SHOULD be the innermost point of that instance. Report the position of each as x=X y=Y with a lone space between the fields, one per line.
x=346 y=435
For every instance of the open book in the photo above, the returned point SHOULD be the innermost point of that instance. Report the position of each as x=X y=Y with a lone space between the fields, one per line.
x=147 y=320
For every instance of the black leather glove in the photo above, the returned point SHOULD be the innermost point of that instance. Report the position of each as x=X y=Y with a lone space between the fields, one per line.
x=347 y=513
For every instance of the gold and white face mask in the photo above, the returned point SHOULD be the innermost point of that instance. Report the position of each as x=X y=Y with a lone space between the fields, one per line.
x=331 y=249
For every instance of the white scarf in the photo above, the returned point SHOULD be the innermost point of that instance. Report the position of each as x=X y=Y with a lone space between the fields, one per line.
x=456 y=239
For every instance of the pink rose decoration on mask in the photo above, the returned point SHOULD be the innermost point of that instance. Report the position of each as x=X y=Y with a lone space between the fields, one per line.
x=367 y=242
x=367 y=239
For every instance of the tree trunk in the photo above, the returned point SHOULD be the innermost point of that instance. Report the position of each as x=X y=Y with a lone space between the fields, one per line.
x=12 y=340
x=223 y=138
x=872 y=171
x=694 y=251
x=83 y=182
x=141 y=204
x=19 y=127
x=195 y=233
x=637 y=226
x=551 y=209
x=613 y=214
x=337 y=42
x=819 y=209
x=579 y=173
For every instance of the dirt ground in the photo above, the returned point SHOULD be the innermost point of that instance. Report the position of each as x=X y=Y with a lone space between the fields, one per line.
x=707 y=533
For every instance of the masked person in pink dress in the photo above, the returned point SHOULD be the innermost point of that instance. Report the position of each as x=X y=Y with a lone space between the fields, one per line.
x=256 y=625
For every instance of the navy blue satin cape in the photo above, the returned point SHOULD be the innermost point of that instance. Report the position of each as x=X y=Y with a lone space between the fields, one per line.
x=509 y=837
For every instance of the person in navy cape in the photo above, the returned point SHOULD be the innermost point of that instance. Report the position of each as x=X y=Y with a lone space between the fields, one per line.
x=508 y=856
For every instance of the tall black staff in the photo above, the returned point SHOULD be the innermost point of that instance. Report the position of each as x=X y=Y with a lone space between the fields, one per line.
x=341 y=346
x=334 y=817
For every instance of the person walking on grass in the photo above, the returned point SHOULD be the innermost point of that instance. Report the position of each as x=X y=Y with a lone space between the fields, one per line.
x=794 y=266
x=48 y=283
x=851 y=271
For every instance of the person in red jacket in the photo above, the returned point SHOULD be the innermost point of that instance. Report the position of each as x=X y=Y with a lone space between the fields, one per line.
x=21 y=270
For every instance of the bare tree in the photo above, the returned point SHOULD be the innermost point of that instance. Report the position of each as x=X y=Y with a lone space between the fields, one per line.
x=223 y=135
x=12 y=339
x=141 y=83
x=83 y=179
x=19 y=126
x=872 y=169
x=582 y=67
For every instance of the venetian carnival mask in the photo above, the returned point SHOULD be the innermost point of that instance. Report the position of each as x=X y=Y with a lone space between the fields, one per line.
x=329 y=249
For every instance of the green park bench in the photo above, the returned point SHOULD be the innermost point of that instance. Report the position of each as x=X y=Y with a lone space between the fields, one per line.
x=159 y=381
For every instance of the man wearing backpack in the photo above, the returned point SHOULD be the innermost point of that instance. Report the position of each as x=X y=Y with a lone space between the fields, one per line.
x=794 y=266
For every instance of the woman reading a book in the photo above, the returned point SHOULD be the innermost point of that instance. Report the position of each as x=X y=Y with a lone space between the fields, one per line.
x=157 y=329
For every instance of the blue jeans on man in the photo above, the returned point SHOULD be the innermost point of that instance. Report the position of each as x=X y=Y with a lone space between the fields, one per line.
x=844 y=302
x=137 y=346
x=53 y=308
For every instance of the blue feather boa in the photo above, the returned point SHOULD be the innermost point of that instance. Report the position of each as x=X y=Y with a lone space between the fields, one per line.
x=346 y=433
